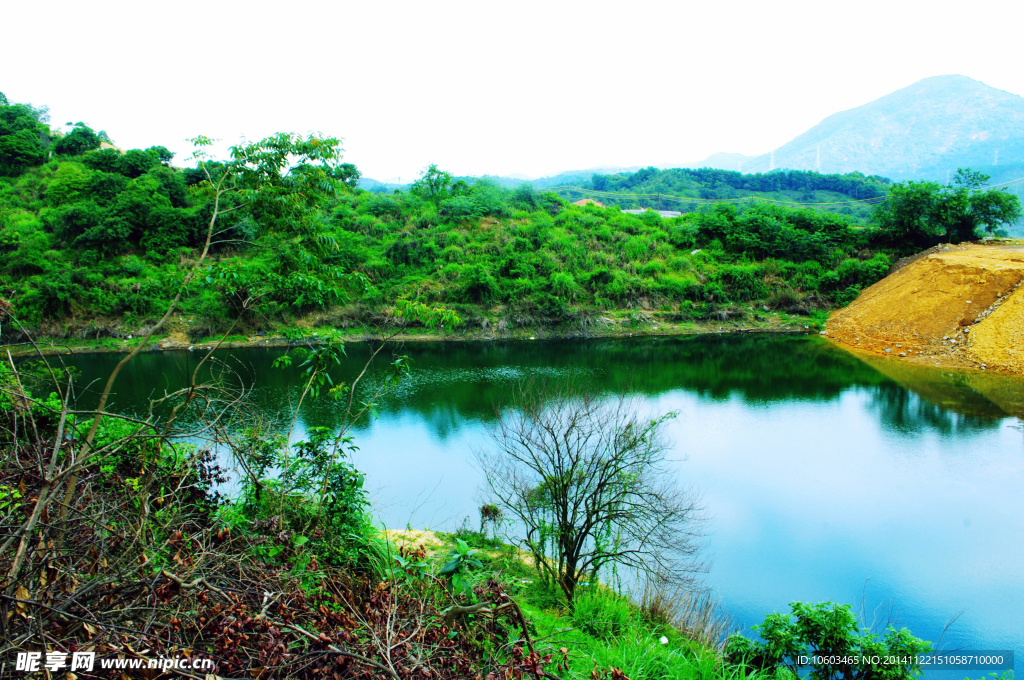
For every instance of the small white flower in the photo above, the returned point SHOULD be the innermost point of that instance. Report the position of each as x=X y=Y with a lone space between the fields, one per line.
x=664 y=640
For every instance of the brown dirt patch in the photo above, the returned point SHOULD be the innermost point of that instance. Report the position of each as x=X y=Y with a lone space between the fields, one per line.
x=413 y=538
x=959 y=305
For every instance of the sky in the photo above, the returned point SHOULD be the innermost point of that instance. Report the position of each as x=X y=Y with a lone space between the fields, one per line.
x=500 y=88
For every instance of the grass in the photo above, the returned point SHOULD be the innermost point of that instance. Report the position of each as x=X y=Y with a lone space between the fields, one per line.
x=658 y=638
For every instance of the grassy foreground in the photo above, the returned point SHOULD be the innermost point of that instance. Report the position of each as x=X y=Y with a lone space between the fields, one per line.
x=604 y=632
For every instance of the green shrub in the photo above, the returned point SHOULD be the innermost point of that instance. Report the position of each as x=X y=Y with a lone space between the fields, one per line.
x=564 y=285
x=743 y=282
x=826 y=630
x=602 y=613
x=132 y=265
x=653 y=268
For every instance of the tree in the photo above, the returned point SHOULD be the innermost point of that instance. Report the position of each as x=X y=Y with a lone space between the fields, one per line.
x=135 y=162
x=163 y=154
x=824 y=642
x=347 y=174
x=256 y=180
x=918 y=215
x=589 y=483
x=965 y=207
x=20 y=150
x=436 y=185
x=80 y=140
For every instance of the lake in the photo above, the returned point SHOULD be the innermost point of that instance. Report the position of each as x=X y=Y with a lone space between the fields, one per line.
x=890 y=487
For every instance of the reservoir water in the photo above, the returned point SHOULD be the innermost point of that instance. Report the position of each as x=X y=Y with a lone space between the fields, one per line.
x=889 y=487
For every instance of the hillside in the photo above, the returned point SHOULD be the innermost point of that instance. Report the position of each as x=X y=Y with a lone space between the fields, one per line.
x=687 y=189
x=94 y=242
x=924 y=131
x=509 y=181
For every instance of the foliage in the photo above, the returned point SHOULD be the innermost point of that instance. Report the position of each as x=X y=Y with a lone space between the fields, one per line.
x=70 y=222
x=827 y=631
x=919 y=215
x=457 y=566
x=82 y=138
x=602 y=613
x=678 y=180
x=849 y=195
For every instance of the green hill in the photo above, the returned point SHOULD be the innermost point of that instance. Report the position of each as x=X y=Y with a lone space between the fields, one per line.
x=687 y=189
x=95 y=242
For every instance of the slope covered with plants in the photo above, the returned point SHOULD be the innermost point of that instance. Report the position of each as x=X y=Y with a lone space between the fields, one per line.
x=95 y=242
x=688 y=189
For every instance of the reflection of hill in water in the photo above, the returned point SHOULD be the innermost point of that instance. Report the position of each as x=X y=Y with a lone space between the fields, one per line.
x=455 y=382
x=471 y=378
x=972 y=393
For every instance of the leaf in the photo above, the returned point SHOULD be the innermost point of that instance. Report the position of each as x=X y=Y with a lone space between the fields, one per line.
x=301 y=540
x=22 y=594
x=450 y=567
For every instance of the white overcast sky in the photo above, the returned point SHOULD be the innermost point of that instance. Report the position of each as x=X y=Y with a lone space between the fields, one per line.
x=491 y=87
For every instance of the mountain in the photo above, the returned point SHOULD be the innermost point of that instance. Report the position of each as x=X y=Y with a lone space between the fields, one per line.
x=924 y=131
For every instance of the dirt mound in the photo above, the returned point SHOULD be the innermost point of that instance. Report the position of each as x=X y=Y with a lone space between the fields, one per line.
x=958 y=305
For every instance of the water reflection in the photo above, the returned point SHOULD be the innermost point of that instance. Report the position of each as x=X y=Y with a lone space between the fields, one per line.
x=456 y=382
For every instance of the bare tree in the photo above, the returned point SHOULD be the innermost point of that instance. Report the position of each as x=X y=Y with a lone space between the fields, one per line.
x=588 y=480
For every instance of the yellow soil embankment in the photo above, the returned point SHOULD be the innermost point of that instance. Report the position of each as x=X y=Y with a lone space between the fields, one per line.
x=956 y=306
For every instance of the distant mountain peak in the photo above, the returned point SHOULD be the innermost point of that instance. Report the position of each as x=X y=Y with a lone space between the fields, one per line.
x=925 y=130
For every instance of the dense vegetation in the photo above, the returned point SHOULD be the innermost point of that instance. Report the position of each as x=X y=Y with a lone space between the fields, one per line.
x=92 y=234
x=94 y=242
x=850 y=194
x=919 y=215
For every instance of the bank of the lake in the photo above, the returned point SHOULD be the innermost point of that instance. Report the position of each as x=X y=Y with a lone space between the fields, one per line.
x=481 y=328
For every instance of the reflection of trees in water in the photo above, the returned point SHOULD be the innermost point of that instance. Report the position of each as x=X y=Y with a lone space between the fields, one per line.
x=455 y=382
x=907 y=413
x=471 y=378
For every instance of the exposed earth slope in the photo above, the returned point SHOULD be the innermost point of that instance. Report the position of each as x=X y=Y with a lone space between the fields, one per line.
x=955 y=305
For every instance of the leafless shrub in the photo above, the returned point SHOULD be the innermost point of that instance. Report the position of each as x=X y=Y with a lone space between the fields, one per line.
x=589 y=483
x=691 y=611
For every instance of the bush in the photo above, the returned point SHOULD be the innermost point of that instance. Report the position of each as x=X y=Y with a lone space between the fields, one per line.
x=602 y=613
x=563 y=285
x=826 y=630
x=743 y=282
x=132 y=265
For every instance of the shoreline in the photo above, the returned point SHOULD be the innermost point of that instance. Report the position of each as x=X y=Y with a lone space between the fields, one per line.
x=774 y=323
x=173 y=341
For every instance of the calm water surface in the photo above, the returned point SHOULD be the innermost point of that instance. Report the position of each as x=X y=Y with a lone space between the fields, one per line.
x=892 y=488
